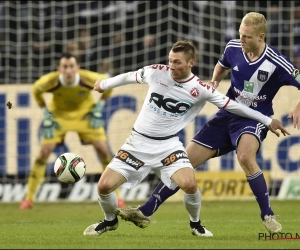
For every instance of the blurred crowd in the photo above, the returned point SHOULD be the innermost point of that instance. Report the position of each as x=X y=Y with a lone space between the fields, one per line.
x=120 y=36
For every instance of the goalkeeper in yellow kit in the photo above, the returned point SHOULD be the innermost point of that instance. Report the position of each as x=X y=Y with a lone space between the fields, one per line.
x=72 y=108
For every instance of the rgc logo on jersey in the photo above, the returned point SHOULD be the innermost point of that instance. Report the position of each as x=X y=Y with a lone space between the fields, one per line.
x=168 y=106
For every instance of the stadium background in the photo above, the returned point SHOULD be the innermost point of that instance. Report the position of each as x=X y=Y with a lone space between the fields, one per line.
x=120 y=36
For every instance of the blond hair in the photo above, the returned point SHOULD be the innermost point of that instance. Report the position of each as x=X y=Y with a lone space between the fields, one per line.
x=187 y=47
x=257 y=21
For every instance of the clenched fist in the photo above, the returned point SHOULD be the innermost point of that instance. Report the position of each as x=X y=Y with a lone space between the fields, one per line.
x=97 y=86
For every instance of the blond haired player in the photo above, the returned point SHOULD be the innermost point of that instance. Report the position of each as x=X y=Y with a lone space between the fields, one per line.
x=175 y=97
x=258 y=71
x=72 y=108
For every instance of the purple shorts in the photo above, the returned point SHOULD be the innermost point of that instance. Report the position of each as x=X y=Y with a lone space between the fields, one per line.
x=225 y=129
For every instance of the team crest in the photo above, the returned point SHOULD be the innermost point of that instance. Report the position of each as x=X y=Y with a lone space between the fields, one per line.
x=194 y=92
x=262 y=75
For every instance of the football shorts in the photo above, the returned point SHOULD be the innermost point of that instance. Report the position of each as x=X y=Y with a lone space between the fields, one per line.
x=139 y=156
x=225 y=129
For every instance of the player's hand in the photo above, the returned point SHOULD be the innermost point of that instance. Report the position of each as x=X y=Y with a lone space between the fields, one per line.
x=276 y=124
x=295 y=115
x=97 y=86
x=95 y=115
x=215 y=84
x=48 y=125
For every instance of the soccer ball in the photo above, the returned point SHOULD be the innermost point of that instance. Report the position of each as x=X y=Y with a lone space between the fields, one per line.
x=69 y=168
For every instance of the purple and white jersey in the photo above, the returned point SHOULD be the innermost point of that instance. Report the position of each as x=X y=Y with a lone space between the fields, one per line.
x=170 y=105
x=256 y=83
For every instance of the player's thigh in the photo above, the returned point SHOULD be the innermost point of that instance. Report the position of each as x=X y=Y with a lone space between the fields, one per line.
x=109 y=181
x=176 y=164
x=247 y=148
x=199 y=154
x=185 y=178
x=128 y=165
x=253 y=130
x=247 y=136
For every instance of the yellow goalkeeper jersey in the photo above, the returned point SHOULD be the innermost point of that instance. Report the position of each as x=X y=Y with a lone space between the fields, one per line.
x=68 y=102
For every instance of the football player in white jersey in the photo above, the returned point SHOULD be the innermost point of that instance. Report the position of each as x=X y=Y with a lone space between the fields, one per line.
x=257 y=72
x=174 y=98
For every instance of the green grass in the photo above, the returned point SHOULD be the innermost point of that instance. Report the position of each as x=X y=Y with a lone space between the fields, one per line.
x=235 y=224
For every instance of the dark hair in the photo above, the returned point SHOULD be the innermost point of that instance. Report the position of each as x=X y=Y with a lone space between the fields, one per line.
x=187 y=47
x=68 y=56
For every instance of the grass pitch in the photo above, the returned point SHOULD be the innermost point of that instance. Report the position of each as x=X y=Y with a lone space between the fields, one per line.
x=235 y=225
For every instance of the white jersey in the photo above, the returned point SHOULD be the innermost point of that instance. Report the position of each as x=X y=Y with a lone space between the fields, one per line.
x=171 y=105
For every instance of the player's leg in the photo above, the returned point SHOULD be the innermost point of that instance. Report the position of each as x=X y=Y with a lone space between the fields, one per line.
x=36 y=175
x=109 y=181
x=199 y=150
x=105 y=157
x=185 y=179
x=121 y=171
x=246 y=153
x=38 y=169
x=198 y=154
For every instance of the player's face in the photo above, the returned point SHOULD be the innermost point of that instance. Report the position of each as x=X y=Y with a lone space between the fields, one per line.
x=180 y=67
x=68 y=67
x=249 y=38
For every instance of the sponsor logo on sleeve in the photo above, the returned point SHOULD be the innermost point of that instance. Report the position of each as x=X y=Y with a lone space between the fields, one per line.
x=296 y=75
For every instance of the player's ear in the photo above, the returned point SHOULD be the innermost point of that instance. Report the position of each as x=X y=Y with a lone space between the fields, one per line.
x=262 y=36
x=192 y=62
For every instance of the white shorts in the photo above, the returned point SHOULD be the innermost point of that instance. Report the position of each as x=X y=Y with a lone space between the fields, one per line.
x=139 y=155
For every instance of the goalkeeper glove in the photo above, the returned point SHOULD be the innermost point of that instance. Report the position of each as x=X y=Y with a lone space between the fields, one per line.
x=48 y=125
x=95 y=115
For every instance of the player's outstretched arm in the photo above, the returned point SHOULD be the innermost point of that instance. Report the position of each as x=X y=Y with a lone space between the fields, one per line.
x=277 y=125
x=116 y=81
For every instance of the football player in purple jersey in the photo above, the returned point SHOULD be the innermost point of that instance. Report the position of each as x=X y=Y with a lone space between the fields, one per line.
x=258 y=71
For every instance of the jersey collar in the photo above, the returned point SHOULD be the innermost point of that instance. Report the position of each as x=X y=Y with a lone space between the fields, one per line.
x=258 y=59
x=190 y=77
x=74 y=84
